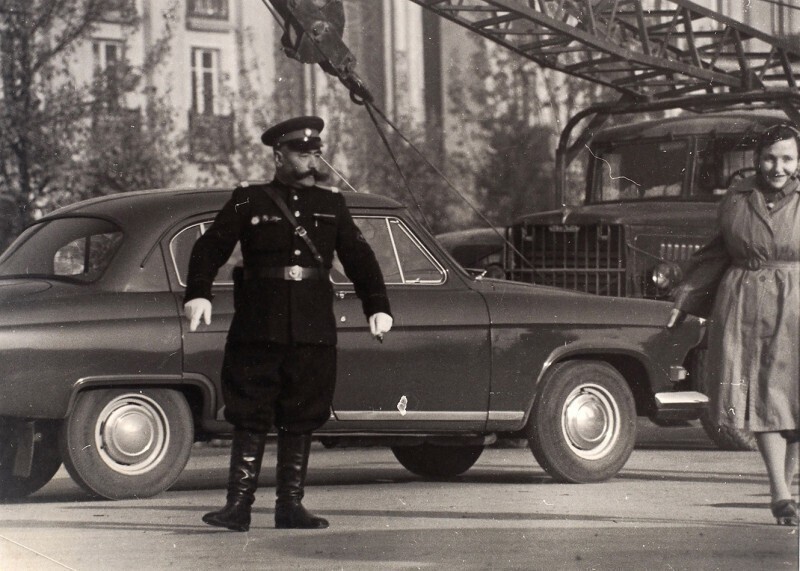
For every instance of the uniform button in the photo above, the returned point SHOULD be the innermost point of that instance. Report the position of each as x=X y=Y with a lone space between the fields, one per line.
x=297 y=252
x=294 y=197
x=297 y=213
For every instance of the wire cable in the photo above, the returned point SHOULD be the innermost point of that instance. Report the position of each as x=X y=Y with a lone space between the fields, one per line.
x=369 y=107
x=371 y=110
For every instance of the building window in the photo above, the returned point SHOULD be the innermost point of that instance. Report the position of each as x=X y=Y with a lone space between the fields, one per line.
x=205 y=81
x=210 y=132
x=108 y=64
x=217 y=9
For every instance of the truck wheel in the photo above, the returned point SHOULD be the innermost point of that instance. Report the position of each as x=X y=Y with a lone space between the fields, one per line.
x=127 y=443
x=46 y=462
x=582 y=426
x=432 y=461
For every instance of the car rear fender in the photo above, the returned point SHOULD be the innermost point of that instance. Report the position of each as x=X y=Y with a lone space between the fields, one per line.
x=197 y=389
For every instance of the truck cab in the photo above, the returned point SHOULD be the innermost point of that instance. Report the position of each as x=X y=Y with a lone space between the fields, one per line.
x=650 y=202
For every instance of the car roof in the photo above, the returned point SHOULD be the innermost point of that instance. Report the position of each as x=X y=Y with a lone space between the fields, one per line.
x=177 y=203
x=720 y=124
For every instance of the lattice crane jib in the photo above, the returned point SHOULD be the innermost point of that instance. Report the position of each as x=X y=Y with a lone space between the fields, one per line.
x=645 y=49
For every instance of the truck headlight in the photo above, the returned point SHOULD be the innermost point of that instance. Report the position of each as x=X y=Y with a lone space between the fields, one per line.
x=666 y=275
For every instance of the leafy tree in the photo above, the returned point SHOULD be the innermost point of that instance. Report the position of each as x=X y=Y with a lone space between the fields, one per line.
x=513 y=119
x=58 y=139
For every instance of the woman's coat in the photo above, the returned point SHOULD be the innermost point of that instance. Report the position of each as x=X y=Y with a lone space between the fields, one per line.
x=751 y=273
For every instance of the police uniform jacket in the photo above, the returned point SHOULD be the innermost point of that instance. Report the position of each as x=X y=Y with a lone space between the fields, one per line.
x=274 y=309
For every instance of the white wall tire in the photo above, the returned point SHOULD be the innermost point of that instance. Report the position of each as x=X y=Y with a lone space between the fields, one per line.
x=127 y=443
x=583 y=422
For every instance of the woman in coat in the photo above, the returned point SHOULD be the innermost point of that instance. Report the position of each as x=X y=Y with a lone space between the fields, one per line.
x=751 y=273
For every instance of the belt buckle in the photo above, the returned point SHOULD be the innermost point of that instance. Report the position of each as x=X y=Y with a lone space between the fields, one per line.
x=295 y=273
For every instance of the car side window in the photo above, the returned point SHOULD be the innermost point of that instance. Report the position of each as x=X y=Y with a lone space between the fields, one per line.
x=402 y=258
x=180 y=249
x=86 y=257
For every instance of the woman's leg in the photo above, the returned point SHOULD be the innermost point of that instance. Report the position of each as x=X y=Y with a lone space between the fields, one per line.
x=773 y=450
x=792 y=454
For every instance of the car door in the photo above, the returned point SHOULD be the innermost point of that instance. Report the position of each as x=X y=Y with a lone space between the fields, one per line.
x=436 y=359
x=203 y=348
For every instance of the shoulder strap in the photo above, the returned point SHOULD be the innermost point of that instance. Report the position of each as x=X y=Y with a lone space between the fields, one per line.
x=298 y=229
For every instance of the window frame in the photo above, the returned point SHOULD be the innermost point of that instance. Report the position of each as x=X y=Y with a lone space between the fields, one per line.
x=198 y=72
x=390 y=222
x=212 y=13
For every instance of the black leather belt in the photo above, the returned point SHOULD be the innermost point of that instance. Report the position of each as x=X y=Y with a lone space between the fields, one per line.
x=291 y=273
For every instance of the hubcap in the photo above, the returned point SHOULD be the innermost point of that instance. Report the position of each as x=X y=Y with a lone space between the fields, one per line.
x=590 y=421
x=132 y=434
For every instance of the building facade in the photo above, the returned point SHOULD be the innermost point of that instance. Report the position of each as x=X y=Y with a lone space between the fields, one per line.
x=222 y=64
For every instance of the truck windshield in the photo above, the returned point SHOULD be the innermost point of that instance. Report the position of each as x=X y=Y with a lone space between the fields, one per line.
x=76 y=249
x=701 y=168
x=638 y=170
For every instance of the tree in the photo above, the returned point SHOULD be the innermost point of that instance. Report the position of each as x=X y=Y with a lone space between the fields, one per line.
x=57 y=140
x=514 y=117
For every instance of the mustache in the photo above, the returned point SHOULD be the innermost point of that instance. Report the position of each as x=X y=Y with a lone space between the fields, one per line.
x=319 y=176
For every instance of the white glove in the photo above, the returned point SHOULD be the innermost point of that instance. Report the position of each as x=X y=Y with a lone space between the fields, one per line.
x=380 y=323
x=197 y=308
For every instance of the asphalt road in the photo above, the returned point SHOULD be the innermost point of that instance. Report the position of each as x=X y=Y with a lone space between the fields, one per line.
x=678 y=504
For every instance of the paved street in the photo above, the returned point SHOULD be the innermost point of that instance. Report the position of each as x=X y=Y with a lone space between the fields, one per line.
x=678 y=504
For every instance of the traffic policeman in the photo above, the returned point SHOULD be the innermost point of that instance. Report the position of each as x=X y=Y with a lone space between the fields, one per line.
x=279 y=367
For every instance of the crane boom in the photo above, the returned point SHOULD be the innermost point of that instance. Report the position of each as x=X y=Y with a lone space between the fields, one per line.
x=649 y=49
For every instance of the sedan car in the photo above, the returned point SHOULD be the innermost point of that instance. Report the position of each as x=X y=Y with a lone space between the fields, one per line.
x=100 y=370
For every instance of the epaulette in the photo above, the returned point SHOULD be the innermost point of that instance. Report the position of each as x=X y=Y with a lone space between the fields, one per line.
x=329 y=188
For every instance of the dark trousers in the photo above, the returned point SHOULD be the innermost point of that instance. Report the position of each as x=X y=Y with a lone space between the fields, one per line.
x=287 y=386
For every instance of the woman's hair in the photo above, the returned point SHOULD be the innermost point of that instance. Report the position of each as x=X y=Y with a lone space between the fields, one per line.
x=779 y=132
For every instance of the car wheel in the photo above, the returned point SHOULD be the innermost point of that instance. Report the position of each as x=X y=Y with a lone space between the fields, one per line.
x=45 y=463
x=127 y=443
x=724 y=437
x=434 y=461
x=583 y=422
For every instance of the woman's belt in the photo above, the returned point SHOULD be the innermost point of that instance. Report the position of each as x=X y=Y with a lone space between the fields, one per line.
x=291 y=273
x=756 y=264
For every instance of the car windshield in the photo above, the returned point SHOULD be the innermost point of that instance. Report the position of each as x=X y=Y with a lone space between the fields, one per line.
x=76 y=248
x=657 y=169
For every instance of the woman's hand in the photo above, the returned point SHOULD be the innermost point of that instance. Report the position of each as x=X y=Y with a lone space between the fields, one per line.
x=676 y=316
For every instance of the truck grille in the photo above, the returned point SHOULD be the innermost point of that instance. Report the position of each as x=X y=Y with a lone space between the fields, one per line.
x=584 y=258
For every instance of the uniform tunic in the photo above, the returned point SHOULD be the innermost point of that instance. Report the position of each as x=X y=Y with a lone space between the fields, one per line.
x=751 y=272
x=280 y=361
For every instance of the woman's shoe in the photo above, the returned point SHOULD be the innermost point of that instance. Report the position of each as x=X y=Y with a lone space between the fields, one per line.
x=785 y=512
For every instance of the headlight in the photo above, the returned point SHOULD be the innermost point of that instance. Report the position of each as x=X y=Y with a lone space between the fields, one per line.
x=666 y=275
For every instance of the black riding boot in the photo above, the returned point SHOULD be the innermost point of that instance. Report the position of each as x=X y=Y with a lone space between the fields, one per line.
x=293 y=452
x=247 y=450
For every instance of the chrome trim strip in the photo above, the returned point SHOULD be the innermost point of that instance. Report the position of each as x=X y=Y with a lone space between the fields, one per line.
x=506 y=415
x=377 y=415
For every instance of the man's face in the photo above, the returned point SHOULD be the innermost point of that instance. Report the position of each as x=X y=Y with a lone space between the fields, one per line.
x=297 y=168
